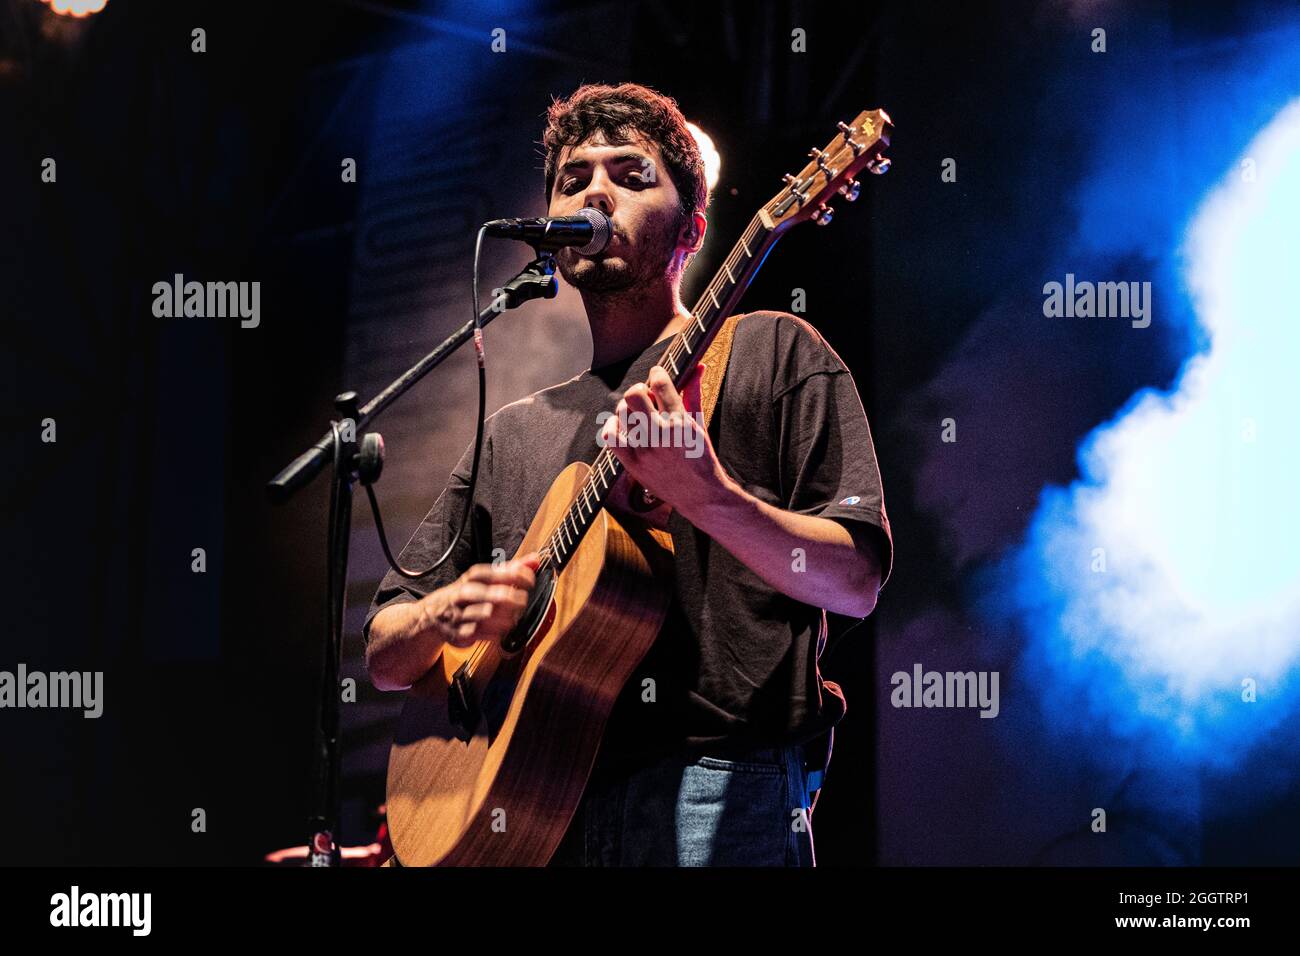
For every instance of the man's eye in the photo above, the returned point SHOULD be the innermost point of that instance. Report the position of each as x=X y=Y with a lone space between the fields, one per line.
x=634 y=179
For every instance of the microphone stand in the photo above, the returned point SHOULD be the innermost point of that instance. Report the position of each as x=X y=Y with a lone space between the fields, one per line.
x=352 y=460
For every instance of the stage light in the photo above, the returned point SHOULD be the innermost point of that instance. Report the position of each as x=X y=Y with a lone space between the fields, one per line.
x=1162 y=589
x=76 y=8
x=712 y=159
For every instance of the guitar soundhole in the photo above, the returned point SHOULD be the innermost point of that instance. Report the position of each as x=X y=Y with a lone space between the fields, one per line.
x=534 y=614
x=464 y=709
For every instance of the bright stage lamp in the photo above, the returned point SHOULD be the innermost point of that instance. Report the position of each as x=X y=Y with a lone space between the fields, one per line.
x=709 y=152
x=76 y=8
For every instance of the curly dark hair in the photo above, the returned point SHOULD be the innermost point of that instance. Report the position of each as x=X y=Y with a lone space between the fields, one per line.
x=620 y=112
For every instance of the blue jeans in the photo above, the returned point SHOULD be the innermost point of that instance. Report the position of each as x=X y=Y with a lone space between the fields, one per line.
x=705 y=811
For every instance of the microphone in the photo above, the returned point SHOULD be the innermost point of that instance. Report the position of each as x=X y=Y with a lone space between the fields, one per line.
x=589 y=231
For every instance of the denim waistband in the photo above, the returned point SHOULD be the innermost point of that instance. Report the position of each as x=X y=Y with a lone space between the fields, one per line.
x=772 y=755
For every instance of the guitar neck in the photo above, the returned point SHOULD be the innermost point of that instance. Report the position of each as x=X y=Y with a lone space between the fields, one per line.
x=720 y=297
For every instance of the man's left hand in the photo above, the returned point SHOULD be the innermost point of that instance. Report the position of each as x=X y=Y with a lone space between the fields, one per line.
x=682 y=468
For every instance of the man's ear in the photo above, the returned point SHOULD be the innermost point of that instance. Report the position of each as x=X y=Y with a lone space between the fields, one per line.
x=693 y=233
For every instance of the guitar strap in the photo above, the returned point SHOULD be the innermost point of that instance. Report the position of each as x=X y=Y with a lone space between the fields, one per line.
x=715 y=366
x=817 y=752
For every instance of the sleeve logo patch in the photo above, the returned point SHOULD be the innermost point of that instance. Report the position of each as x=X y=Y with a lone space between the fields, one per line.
x=850 y=500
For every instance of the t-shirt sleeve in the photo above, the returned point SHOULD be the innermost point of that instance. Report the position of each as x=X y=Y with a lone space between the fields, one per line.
x=828 y=460
x=435 y=533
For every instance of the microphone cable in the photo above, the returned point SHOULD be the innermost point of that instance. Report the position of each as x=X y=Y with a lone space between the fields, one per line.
x=478 y=444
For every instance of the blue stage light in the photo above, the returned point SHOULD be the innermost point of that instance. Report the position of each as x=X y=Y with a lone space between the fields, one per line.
x=1161 y=591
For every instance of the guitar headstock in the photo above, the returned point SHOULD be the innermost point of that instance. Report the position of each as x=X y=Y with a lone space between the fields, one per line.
x=807 y=195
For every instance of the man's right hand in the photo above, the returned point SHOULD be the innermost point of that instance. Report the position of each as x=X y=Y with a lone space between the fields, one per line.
x=484 y=603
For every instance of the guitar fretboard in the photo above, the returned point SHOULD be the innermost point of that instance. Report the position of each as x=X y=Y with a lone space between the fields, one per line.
x=714 y=305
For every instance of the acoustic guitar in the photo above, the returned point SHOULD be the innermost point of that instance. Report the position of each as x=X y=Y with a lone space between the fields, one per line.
x=496 y=742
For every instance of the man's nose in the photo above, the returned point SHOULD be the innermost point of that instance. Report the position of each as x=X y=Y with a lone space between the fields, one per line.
x=599 y=195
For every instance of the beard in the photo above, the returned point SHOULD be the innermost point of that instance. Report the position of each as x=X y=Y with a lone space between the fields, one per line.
x=603 y=273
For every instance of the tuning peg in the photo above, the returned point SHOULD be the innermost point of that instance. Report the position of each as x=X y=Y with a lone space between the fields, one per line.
x=848 y=132
x=879 y=165
x=824 y=215
x=850 y=190
x=794 y=190
x=820 y=156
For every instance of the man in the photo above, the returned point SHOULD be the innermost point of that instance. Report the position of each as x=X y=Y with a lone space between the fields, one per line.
x=775 y=513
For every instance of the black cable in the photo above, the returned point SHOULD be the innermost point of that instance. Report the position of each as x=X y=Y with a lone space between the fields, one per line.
x=478 y=445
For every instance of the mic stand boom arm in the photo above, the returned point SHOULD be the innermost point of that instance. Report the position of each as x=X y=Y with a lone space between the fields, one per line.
x=352 y=459
x=537 y=280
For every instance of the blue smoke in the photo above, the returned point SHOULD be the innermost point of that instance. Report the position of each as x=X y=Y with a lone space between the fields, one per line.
x=1160 y=592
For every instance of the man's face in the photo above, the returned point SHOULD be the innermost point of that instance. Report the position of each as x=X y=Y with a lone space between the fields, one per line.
x=629 y=184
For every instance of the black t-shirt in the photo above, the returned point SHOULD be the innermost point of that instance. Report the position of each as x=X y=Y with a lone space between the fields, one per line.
x=735 y=664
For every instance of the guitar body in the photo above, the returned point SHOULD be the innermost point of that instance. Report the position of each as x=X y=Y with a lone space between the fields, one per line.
x=506 y=795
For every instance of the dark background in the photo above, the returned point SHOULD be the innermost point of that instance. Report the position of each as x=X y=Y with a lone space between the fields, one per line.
x=226 y=165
